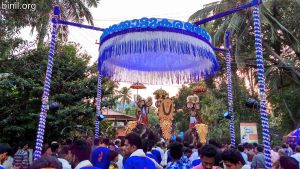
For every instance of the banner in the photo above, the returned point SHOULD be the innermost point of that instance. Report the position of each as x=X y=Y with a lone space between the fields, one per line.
x=248 y=133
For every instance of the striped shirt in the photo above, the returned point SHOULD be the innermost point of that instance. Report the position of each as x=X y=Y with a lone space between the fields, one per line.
x=21 y=159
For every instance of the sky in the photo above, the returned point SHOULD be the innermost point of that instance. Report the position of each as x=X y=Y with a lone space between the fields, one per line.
x=110 y=12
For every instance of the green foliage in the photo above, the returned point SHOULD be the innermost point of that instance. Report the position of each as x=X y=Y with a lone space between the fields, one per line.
x=73 y=86
x=281 y=34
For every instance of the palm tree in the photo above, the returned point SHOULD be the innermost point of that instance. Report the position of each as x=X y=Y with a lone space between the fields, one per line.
x=124 y=96
x=239 y=24
x=280 y=34
x=71 y=10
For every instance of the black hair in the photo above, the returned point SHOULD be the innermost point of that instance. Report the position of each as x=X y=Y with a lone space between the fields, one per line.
x=175 y=149
x=214 y=142
x=112 y=155
x=260 y=148
x=105 y=141
x=208 y=151
x=81 y=150
x=178 y=139
x=199 y=145
x=54 y=146
x=241 y=148
x=22 y=144
x=297 y=149
x=117 y=142
x=96 y=141
x=148 y=145
x=45 y=148
x=5 y=148
x=287 y=162
x=233 y=156
x=284 y=146
x=69 y=141
x=46 y=162
x=64 y=150
x=134 y=140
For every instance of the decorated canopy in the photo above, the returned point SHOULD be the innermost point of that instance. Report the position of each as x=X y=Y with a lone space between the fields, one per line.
x=156 y=51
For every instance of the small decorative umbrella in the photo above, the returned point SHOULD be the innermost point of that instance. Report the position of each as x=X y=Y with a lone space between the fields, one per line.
x=199 y=89
x=137 y=86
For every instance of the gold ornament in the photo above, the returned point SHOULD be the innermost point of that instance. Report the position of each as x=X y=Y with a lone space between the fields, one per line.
x=202 y=130
x=166 y=114
x=130 y=126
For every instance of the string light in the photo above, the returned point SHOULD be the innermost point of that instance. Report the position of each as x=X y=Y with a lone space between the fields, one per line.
x=98 y=105
x=47 y=82
x=229 y=88
x=261 y=85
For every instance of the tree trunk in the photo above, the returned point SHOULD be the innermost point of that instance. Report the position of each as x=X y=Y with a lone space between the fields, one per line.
x=290 y=113
x=42 y=32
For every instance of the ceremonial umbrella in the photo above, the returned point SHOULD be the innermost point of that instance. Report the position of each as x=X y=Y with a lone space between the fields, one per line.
x=156 y=51
x=137 y=86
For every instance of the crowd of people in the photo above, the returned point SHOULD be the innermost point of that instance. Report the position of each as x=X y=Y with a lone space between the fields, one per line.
x=133 y=152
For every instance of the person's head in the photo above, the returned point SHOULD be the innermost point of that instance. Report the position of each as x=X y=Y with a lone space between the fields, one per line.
x=241 y=148
x=297 y=149
x=5 y=149
x=287 y=162
x=105 y=141
x=188 y=152
x=113 y=156
x=175 y=149
x=54 y=146
x=65 y=152
x=80 y=151
x=111 y=146
x=96 y=142
x=282 y=152
x=147 y=145
x=233 y=159
x=46 y=162
x=249 y=147
x=23 y=145
x=46 y=150
x=69 y=141
x=178 y=139
x=214 y=142
x=118 y=142
x=276 y=148
x=207 y=155
x=199 y=145
x=260 y=148
x=284 y=146
x=132 y=143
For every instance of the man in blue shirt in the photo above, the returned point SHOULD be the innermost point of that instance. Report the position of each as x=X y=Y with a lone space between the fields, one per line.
x=100 y=155
x=178 y=161
x=137 y=158
x=4 y=149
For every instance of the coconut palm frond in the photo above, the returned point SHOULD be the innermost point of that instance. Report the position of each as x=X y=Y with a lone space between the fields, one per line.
x=298 y=2
x=218 y=37
x=236 y=22
x=203 y=13
x=295 y=44
x=91 y=3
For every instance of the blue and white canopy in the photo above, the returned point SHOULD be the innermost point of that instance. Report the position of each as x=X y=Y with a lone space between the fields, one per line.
x=156 y=51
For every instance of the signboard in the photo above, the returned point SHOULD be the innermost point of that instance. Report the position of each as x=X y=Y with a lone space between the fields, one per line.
x=248 y=133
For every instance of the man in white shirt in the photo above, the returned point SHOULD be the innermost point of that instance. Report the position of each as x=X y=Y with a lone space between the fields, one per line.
x=297 y=154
